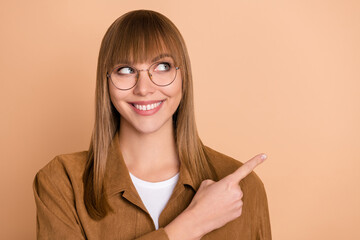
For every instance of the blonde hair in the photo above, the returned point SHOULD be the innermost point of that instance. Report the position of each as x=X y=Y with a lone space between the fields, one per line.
x=137 y=36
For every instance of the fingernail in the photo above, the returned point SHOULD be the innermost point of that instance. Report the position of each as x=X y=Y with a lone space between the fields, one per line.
x=263 y=156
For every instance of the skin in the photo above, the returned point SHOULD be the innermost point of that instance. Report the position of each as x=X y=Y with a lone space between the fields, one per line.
x=149 y=150
x=147 y=142
x=196 y=221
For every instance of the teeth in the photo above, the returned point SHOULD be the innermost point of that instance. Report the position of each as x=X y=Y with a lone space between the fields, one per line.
x=147 y=107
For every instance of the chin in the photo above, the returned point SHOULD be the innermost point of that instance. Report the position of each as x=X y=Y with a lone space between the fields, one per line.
x=146 y=129
x=149 y=127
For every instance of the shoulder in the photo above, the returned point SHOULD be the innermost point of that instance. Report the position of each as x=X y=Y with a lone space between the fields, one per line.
x=71 y=163
x=64 y=171
x=225 y=165
x=58 y=192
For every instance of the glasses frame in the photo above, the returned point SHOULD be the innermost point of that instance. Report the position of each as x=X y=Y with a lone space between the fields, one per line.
x=138 y=74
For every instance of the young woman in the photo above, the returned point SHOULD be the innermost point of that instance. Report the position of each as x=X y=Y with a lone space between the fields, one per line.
x=147 y=174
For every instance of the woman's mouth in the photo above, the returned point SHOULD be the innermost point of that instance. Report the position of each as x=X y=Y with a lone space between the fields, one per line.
x=147 y=108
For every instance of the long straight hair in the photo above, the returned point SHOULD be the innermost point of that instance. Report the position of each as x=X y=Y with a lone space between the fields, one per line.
x=137 y=36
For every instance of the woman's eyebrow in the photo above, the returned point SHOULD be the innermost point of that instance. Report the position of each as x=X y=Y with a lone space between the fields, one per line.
x=161 y=56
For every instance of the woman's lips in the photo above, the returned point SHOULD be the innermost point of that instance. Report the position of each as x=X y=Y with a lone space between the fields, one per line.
x=146 y=108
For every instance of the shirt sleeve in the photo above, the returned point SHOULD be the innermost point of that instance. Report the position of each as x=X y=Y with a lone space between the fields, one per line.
x=263 y=218
x=56 y=214
x=159 y=234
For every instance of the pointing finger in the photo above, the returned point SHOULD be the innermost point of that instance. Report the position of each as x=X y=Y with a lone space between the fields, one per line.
x=247 y=167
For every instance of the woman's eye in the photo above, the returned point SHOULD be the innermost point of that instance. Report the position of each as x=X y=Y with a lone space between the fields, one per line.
x=125 y=70
x=162 y=67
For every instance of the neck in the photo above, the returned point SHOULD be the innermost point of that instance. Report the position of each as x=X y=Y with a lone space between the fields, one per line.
x=146 y=153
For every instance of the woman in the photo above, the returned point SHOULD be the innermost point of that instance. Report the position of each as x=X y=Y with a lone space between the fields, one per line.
x=147 y=174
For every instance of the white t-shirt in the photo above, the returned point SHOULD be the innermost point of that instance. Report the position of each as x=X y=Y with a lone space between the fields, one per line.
x=155 y=195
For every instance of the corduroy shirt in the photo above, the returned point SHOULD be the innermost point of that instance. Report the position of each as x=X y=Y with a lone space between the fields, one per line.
x=61 y=212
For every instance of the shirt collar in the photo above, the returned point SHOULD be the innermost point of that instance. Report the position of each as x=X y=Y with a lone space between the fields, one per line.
x=117 y=176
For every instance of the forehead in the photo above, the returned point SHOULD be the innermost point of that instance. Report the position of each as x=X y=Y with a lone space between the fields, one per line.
x=147 y=60
x=166 y=56
x=161 y=56
x=143 y=51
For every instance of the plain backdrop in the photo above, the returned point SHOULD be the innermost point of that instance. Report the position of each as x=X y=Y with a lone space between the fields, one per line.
x=280 y=77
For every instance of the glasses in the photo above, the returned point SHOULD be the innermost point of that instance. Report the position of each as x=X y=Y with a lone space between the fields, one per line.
x=125 y=77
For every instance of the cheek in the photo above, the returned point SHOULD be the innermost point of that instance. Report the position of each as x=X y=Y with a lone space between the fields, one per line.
x=116 y=98
x=175 y=89
x=174 y=93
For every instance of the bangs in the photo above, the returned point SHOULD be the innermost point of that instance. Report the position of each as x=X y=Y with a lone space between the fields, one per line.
x=140 y=38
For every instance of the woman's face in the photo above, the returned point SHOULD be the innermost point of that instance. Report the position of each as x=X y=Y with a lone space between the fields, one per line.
x=146 y=107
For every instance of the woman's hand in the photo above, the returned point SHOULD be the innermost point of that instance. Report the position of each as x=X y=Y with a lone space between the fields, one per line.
x=214 y=204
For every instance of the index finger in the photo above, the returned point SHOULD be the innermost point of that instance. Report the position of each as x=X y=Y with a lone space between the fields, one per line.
x=247 y=167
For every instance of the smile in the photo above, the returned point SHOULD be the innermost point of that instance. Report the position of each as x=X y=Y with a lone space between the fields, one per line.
x=146 y=108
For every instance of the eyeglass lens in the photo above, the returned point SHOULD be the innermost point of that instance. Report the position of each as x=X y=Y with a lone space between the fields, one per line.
x=160 y=73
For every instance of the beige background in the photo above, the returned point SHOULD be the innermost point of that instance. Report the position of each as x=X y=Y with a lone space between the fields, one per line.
x=280 y=77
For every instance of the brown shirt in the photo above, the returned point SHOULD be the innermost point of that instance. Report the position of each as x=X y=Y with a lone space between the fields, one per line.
x=61 y=213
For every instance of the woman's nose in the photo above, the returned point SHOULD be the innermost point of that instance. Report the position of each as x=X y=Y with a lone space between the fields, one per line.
x=144 y=84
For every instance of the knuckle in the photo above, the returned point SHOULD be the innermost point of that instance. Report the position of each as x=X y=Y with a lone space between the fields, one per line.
x=239 y=205
x=206 y=182
x=238 y=213
x=237 y=195
x=209 y=181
